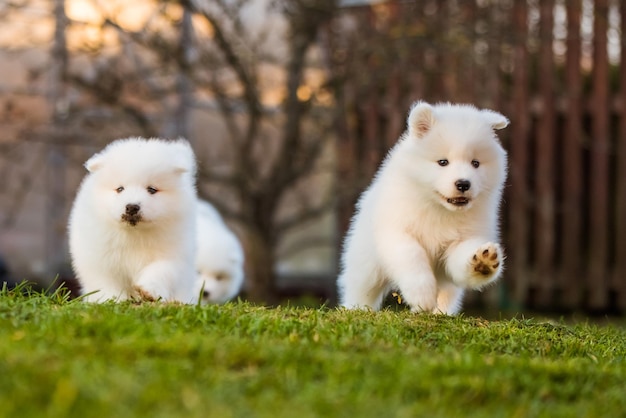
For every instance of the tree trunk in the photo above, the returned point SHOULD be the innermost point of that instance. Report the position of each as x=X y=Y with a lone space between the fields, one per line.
x=260 y=260
x=56 y=160
x=184 y=85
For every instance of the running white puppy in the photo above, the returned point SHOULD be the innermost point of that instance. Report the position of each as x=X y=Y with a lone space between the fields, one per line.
x=132 y=226
x=428 y=224
x=220 y=258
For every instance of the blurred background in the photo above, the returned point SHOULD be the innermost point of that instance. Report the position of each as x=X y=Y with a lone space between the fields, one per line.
x=291 y=105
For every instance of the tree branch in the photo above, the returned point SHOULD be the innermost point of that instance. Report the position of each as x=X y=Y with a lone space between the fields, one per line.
x=225 y=108
x=305 y=17
x=307 y=212
x=306 y=244
x=111 y=98
x=235 y=62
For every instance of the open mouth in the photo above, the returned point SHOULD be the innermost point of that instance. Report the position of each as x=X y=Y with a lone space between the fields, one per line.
x=458 y=201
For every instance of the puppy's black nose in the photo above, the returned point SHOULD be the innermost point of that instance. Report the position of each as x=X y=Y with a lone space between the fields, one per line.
x=132 y=209
x=206 y=294
x=462 y=185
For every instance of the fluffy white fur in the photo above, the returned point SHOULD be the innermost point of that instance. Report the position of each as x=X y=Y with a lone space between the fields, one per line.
x=428 y=224
x=133 y=222
x=220 y=258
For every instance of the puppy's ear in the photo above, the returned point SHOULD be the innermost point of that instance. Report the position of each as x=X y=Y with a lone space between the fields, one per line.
x=184 y=157
x=421 y=119
x=94 y=163
x=97 y=160
x=495 y=119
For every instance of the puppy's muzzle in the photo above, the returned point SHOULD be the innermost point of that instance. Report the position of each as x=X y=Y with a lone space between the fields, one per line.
x=462 y=185
x=132 y=215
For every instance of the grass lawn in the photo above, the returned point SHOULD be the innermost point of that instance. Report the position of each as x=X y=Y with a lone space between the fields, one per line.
x=67 y=358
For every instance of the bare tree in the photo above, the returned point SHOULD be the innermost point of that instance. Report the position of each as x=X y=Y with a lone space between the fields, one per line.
x=155 y=81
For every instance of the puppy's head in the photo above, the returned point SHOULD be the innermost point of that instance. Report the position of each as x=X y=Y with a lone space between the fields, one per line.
x=141 y=182
x=219 y=258
x=217 y=286
x=456 y=153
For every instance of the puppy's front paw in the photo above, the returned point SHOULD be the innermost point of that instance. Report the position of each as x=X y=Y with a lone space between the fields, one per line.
x=485 y=262
x=421 y=298
x=142 y=295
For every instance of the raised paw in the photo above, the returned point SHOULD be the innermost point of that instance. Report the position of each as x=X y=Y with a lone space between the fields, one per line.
x=486 y=260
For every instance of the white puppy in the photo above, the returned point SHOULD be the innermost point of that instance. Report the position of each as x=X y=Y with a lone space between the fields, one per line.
x=220 y=258
x=428 y=224
x=132 y=225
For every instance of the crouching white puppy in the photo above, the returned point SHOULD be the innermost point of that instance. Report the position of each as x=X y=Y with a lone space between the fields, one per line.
x=220 y=258
x=428 y=224
x=133 y=222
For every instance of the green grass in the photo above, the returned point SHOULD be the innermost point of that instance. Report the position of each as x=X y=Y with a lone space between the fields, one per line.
x=68 y=358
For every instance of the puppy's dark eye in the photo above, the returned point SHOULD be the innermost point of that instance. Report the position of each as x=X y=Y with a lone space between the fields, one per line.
x=443 y=162
x=475 y=163
x=152 y=190
x=120 y=189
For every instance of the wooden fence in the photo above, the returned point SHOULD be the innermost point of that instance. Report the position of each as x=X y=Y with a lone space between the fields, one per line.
x=557 y=69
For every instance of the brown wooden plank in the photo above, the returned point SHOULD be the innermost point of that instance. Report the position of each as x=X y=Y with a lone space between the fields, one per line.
x=372 y=134
x=466 y=73
x=494 y=80
x=544 y=160
x=448 y=57
x=619 y=275
x=517 y=203
x=571 y=221
x=347 y=163
x=598 y=193
x=395 y=110
x=345 y=145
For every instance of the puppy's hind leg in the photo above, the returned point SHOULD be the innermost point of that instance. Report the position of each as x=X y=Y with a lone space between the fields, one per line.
x=360 y=286
x=449 y=299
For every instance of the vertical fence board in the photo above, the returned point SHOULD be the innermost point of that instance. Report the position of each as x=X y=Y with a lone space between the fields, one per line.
x=467 y=92
x=518 y=191
x=598 y=240
x=372 y=133
x=394 y=109
x=572 y=166
x=494 y=81
x=347 y=164
x=619 y=276
x=544 y=157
